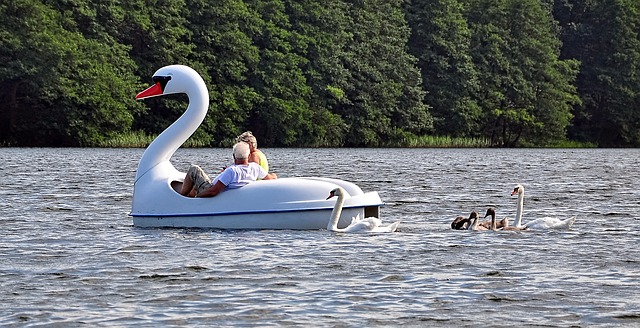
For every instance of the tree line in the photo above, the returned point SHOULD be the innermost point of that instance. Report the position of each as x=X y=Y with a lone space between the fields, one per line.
x=306 y=73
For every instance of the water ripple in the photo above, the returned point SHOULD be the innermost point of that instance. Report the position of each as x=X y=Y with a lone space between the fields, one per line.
x=71 y=257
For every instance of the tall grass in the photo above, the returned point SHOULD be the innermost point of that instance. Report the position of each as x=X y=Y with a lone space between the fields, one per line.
x=138 y=139
x=445 y=142
x=573 y=144
x=132 y=139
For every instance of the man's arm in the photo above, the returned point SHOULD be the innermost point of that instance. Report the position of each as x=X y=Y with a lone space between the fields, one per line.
x=270 y=176
x=213 y=191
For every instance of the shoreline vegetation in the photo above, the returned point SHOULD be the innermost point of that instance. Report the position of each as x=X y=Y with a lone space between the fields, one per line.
x=141 y=140
x=326 y=73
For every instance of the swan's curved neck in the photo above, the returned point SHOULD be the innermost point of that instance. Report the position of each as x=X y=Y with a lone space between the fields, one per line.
x=335 y=214
x=519 y=209
x=166 y=144
x=474 y=224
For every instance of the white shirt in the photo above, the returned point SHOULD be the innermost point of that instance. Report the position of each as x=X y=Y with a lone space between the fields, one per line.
x=236 y=176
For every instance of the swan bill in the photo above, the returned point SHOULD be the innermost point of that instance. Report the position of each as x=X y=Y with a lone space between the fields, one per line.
x=152 y=91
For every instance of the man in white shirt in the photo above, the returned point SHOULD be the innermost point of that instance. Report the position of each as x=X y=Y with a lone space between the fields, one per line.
x=198 y=184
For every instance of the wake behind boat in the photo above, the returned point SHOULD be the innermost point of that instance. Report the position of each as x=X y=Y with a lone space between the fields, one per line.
x=286 y=203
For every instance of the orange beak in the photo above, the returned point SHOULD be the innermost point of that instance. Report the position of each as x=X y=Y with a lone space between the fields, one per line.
x=152 y=91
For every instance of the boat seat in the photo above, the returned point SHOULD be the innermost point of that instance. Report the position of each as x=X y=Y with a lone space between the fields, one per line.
x=176 y=185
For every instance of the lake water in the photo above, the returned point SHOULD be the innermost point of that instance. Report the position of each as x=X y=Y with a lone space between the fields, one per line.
x=69 y=255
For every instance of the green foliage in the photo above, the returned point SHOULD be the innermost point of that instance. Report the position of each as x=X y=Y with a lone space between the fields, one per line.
x=603 y=36
x=322 y=34
x=325 y=73
x=226 y=54
x=571 y=144
x=527 y=92
x=384 y=86
x=441 y=40
x=139 y=139
x=445 y=142
x=130 y=139
x=282 y=116
x=59 y=87
x=94 y=91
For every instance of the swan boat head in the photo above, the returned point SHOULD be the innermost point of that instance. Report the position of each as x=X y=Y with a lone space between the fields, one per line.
x=168 y=80
x=157 y=179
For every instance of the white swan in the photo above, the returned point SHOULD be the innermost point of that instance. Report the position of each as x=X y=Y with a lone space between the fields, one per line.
x=369 y=224
x=542 y=223
x=507 y=227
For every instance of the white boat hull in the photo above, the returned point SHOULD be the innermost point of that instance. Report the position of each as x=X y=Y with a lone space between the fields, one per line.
x=286 y=203
x=294 y=220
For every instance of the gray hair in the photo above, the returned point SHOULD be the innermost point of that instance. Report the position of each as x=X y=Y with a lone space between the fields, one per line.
x=249 y=138
x=241 y=150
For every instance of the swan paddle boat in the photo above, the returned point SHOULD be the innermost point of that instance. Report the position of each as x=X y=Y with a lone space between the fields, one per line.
x=285 y=203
